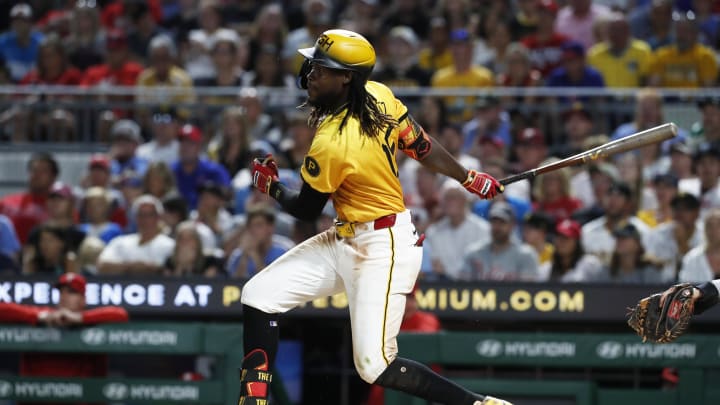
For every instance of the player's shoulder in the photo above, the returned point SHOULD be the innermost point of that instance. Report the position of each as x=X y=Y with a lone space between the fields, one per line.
x=379 y=90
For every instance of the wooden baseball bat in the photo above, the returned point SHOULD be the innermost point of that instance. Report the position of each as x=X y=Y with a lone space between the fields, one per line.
x=634 y=141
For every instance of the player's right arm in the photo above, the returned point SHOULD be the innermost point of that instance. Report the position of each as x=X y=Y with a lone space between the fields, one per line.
x=709 y=296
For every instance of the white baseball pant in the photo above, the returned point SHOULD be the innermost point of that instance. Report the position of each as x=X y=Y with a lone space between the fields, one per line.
x=376 y=269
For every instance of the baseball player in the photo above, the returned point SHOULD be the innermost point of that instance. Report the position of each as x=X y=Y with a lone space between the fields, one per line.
x=373 y=252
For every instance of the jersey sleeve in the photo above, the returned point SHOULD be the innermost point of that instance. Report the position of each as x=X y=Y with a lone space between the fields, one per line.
x=104 y=315
x=17 y=313
x=322 y=167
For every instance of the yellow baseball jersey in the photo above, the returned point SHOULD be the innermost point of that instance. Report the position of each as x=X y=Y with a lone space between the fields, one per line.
x=626 y=70
x=360 y=172
x=461 y=108
x=686 y=69
x=428 y=61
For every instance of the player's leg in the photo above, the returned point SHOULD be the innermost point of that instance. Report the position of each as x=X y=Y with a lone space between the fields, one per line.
x=300 y=275
x=377 y=285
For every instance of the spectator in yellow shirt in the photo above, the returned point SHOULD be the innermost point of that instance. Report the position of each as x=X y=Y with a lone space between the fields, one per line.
x=462 y=74
x=622 y=60
x=686 y=63
x=436 y=55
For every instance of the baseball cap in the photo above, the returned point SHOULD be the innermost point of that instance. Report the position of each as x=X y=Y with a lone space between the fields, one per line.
x=539 y=220
x=707 y=149
x=73 y=280
x=501 y=210
x=548 y=5
x=487 y=101
x=531 y=136
x=116 y=39
x=21 y=10
x=406 y=34
x=627 y=230
x=460 y=35
x=622 y=188
x=99 y=161
x=577 y=108
x=60 y=189
x=213 y=187
x=680 y=147
x=685 y=200
x=606 y=169
x=126 y=129
x=97 y=192
x=165 y=114
x=573 y=49
x=190 y=133
x=709 y=100
x=667 y=179
x=568 y=228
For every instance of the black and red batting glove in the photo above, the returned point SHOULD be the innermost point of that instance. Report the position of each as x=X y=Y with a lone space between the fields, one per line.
x=482 y=184
x=264 y=173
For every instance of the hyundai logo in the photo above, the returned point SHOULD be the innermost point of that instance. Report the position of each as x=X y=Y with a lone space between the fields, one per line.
x=489 y=348
x=609 y=350
x=115 y=391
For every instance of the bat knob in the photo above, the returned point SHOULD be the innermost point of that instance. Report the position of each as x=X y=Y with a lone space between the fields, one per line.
x=673 y=129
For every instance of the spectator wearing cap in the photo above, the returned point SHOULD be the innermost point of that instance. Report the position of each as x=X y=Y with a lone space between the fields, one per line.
x=141 y=253
x=9 y=245
x=116 y=12
x=670 y=241
x=212 y=200
x=536 y=230
x=707 y=167
x=622 y=60
x=318 y=17
x=681 y=163
x=708 y=128
x=530 y=149
x=98 y=175
x=86 y=41
x=570 y=263
x=164 y=146
x=545 y=45
x=502 y=258
x=574 y=71
x=436 y=54
x=553 y=195
x=401 y=68
x=686 y=62
x=69 y=312
x=591 y=186
x=118 y=69
x=577 y=18
x=664 y=190
x=450 y=237
x=629 y=263
x=97 y=204
x=648 y=114
x=489 y=121
x=20 y=46
x=162 y=71
x=224 y=47
x=463 y=73
x=189 y=258
x=597 y=235
x=577 y=127
x=191 y=170
x=702 y=263
x=125 y=162
x=29 y=208
x=258 y=246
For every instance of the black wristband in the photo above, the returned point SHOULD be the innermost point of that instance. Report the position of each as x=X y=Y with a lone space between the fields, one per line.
x=275 y=190
x=708 y=299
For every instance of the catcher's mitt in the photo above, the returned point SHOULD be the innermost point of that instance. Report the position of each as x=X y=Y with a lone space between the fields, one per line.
x=663 y=317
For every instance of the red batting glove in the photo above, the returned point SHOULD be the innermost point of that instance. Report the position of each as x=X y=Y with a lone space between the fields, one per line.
x=482 y=184
x=264 y=173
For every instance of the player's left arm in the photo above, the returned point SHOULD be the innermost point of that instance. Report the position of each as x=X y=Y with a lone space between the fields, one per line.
x=419 y=145
x=708 y=296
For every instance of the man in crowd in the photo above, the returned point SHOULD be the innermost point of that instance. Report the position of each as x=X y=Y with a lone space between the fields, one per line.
x=164 y=146
x=125 y=162
x=545 y=45
x=708 y=128
x=19 y=47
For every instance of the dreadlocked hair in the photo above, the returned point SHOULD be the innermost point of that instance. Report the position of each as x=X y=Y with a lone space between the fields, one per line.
x=363 y=106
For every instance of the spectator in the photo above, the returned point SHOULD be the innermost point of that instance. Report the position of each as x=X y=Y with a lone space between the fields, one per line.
x=401 y=68
x=490 y=121
x=141 y=253
x=225 y=47
x=707 y=167
x=175 y=212
x=436 y=55
x=269 y=30
x=318 y=17
x=144 y=29
x=653 y=23
x=409 y=13
x=531 y=149
x=686 y=62
x=53 y=66
x=574 y=71
x=598 y=179
x=516 y=194
x=191 y=170
x=188 y=257
x=125 y=162
x=450 y=237
x=258 y=247
x=266 y=72
x=452 y=139
x=69 y=312
x=164 y=145
x=665 y=188
x=231 y=146
x=260 y=124
x=9 y=245
x=597 y=236
x=20 y=46
x=159 y=180
x=98 y=175
x=546 y=44
x=577 y=18
x=570 y=263
x=707 y=129
x=50 y=252
x=492 y=52
x=197 y=60
x=212 y=199
x=708 y=22
x=61 y=214
x=578 y=125
x=629 y=263
x=427 y=199
x=622 y=61
x=363 y=17
x=297 y=144
x=535 y=232
x=553 y=195
x=88 y=254
x=86 y=42
x=519 y=71
x=681 y=163
x=702 y=263
x=670 y=241
x=461 y=74
x=97 y=208
x=116 y=13
x=502 y=258
x=131 y=187
x=28 y=209
x=525 y=19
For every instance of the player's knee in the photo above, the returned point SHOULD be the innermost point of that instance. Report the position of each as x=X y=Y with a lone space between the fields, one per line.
x=370 y=367
x=251 y=295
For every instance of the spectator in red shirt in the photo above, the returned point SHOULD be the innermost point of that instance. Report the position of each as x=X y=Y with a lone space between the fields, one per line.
x=29 y=208
x=117 y=13
x=70 y=311
x=546 y=44
x=552 y=193
x=53 y=66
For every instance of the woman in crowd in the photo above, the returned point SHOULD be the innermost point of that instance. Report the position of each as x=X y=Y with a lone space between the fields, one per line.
x=629 y=264
x=552 y=193
x=188 y=258
x=97 y=209
x=86 y=43
x=158 y=180
x=570 y=263
x=51 y=253
x=231 y=147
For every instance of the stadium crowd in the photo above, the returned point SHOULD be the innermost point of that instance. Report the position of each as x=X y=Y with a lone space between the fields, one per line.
x=172 y=195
